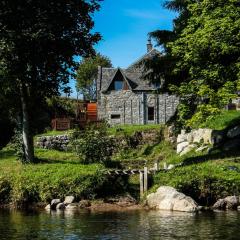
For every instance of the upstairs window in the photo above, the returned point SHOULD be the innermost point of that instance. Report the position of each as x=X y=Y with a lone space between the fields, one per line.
x=150 y=113
x=118 y=85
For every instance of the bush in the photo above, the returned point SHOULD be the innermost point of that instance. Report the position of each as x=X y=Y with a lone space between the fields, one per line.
x=205 y=182
x=93 y=145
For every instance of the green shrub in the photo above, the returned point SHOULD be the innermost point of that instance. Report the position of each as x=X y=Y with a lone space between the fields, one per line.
x=93 y=145
x=205 y=182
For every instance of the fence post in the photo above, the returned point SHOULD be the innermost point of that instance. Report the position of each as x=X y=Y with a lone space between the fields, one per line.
x=145 y=179
x=156 y=165
x=165 y=166
x=141 y=184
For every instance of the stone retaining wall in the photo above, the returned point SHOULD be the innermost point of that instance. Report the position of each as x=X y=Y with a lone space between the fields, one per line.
x=202 y=139
x=59 y=142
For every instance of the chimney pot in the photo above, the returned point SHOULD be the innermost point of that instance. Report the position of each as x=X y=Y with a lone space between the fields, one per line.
x=149 y=45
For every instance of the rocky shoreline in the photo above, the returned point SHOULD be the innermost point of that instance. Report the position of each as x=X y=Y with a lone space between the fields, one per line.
x=165 y=198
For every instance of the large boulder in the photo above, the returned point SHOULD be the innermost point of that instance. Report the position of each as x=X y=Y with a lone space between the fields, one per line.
x=168 y=198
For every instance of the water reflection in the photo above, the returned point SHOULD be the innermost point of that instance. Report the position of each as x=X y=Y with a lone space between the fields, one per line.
x=140 y=225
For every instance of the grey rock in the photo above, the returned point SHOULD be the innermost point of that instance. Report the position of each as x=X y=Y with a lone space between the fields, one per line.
x=168 y=198
x=69 y=199
x=60 y=206
x=238 y=208
x=232 y=202
x=181 y=138
x=233 y=132
x=182 y=146
x=54 y=203
x=220 y=204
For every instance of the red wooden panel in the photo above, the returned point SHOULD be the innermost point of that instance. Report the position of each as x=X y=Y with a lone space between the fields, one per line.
x=92 y=111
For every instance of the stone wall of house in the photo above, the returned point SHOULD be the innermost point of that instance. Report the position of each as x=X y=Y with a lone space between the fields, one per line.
x=127 y=107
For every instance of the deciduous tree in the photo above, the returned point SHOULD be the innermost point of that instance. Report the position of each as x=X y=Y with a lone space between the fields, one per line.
x=38 y=42
x=87 y=74
x=205 y=48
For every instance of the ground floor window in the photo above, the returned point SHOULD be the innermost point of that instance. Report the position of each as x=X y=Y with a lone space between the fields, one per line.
x=115 y=116
x=150 y=113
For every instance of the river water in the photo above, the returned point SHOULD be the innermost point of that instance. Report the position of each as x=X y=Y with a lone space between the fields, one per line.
x=132 y=225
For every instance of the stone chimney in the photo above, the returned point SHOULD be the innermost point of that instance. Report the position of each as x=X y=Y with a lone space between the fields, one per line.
x=149 y=45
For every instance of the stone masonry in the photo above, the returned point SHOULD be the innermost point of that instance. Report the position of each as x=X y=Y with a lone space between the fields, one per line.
x=133 y=107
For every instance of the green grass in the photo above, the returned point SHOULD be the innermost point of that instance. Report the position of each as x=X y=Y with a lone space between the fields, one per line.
x=53 y=133
x=223 y=120
x=56 y=175
x=117 y=130
x=131 y=129
x=163 y=152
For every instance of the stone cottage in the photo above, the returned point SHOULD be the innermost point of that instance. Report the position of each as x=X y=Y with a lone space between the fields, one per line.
x=124 y=96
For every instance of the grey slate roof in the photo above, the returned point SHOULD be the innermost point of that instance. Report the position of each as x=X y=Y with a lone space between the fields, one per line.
x=133 y=75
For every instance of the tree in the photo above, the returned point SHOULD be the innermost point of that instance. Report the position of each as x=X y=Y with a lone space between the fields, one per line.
x=39 y=39
x=87 y=74
x=206 y=52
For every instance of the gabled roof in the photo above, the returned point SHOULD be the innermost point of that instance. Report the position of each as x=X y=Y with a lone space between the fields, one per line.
x=124 y=77
x=133 y=75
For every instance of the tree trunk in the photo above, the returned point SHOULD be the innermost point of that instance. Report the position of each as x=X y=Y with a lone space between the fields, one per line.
x=26 y=130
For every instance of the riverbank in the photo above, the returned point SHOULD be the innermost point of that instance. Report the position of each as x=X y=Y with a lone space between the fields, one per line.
x=206 y=177
x=56 y=175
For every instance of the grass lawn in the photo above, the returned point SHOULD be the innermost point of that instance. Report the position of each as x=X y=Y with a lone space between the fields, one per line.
x=223 y=120
x=56 y=175
x=116 y=130
x=131 y=129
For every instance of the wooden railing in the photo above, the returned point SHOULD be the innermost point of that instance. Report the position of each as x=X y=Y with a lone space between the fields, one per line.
x=61 y=124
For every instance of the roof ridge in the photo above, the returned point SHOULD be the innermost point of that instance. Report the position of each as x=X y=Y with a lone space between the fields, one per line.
x=139 y=59
x=108 y=67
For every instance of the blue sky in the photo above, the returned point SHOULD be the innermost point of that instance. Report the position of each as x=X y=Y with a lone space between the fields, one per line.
x=124 y=25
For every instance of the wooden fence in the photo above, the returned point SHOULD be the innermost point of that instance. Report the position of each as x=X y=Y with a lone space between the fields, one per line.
x=143 y=175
